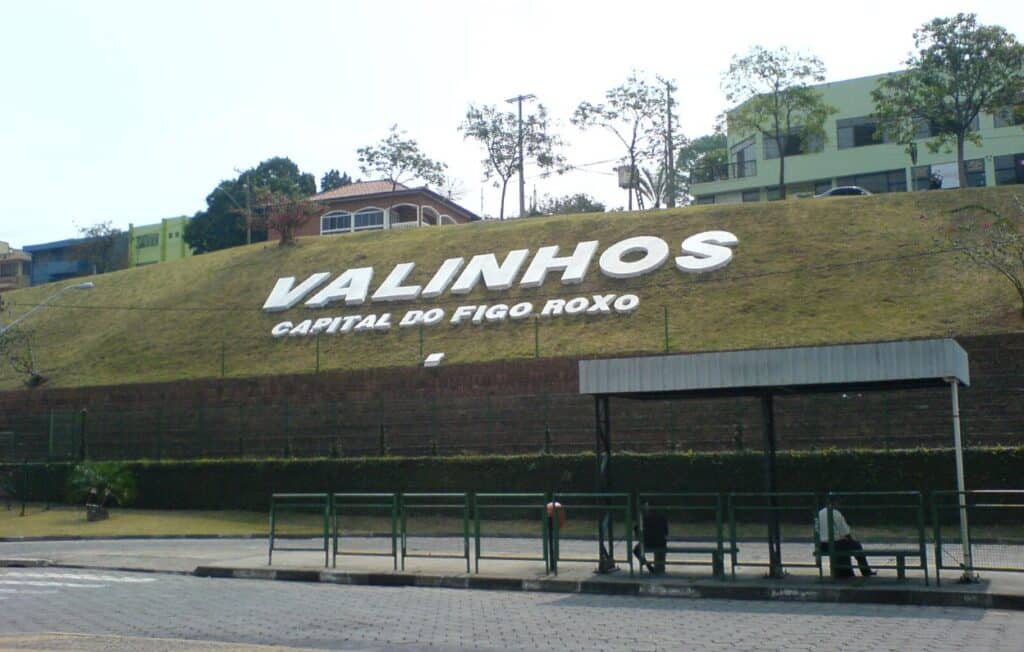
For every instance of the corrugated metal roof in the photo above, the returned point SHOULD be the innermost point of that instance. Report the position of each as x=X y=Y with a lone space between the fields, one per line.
x=879 y=362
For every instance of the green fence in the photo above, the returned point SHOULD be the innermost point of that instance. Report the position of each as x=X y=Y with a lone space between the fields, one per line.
x=283 y=503
x=434 y=504
x=596 y=508
x=991 y=544
x=492 y=508
x=751 y=512
x=346 y=506
x=688 y=514
x=898 y=514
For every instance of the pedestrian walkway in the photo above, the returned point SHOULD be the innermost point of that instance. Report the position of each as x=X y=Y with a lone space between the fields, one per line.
x=247 y=558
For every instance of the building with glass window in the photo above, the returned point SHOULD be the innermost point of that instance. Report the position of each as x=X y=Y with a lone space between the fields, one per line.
x=851 y=155
x=157 y=243
x=381 y=205
x=15 y=267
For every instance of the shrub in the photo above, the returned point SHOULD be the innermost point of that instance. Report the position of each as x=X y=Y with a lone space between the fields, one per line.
x=116 y=477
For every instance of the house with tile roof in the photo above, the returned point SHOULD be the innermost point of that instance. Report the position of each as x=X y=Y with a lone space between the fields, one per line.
x=381 y=205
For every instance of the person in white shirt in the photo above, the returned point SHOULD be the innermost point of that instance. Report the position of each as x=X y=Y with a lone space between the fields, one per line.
x=843 y=543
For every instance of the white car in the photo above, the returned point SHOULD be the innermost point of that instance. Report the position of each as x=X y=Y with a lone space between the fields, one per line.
x=843 y=191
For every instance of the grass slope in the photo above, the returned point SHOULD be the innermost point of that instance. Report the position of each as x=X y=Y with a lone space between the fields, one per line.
x=805 y=272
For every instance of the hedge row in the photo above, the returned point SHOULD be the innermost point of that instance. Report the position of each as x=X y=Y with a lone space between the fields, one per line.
x=247 y=484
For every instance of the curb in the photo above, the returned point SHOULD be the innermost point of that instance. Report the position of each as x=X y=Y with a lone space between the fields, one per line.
x=693 y=590
x=23 y=563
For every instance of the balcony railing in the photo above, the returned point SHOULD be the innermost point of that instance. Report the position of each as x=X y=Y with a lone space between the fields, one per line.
x=723 y=172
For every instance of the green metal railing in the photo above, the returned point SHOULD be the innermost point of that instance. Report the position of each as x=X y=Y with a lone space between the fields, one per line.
x=606 y=507
x=303 y=503
x=878 y=503
x=528 y=505
x=434 y=503
x=786 y=506
x=982 y=508
x=344 y=505
x=681 y=508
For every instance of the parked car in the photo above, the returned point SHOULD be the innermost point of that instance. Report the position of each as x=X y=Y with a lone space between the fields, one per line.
x=843 y=191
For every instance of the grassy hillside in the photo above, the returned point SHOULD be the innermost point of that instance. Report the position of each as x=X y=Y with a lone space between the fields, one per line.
x=805 y=272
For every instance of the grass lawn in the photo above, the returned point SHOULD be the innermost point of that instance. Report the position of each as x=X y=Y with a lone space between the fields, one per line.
x=847 y=269
x=62 y=520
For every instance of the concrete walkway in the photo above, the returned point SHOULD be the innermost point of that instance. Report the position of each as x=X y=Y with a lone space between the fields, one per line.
x=247 y=558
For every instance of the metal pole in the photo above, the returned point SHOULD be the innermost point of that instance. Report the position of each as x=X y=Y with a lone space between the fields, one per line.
x=606 y=542
x=522 y=180
x=670 y=200
x=774 y=533
x=960 y=488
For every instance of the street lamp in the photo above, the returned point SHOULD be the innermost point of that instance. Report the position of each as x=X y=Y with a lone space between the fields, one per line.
x=518 y=99
x=87 y=285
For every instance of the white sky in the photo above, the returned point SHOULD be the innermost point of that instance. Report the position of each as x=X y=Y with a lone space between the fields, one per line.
x=134 y=111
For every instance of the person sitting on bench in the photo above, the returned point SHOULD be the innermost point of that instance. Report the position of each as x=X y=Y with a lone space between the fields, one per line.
x=655 y=540
x=844 y=543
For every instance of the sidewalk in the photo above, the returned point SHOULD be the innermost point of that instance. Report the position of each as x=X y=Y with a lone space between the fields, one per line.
x=247 y=558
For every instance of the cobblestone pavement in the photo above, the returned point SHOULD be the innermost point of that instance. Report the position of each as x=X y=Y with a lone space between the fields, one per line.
x=41 y=607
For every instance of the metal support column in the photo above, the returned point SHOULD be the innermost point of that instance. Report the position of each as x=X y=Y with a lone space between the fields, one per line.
x=965 y=543
x=603 y=451
x=770 y=486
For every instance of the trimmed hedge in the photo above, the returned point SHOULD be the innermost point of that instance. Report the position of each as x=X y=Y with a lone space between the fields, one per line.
x=247 y=484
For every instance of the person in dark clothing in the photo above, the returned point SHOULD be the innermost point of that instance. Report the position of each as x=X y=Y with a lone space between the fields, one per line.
x=655 y=537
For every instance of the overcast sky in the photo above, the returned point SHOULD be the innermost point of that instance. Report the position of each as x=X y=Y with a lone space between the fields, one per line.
x=133 y=111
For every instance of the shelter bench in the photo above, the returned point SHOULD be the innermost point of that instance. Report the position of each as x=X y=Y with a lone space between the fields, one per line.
x=717 y=556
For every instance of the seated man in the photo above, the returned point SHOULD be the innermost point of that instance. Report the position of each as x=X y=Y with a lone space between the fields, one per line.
x=655 y=539
x=844 y=543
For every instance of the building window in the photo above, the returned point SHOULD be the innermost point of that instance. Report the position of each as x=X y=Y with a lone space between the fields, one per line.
x=926 y=129
x=368 y=219
x=8 y=269
x=335 y=222
x=772 y=194
x=1009 y=169
x=793 y=144
x=148 y=240
x=924 y=179
x=743 y=157
x=877 y=182
x=706 y=199
x=1010 y=116
x=857 y=132
x=822 y=186
x=975 y=172
x=751 y=195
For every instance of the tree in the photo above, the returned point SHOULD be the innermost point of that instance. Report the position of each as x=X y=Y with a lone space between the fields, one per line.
x=707 y=151
x=284 y=214
x=333 y=179
x=498 y=132
x=960 y=69
x=771 y=91
x=229 y=219
x=399 y=159
x=986 y=237
x=568 y=205
x=16 y=350
x=637 y=114
x=103 y=247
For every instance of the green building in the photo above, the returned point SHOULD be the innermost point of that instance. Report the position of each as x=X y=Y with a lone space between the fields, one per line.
x=157 y=243
x=852 y=156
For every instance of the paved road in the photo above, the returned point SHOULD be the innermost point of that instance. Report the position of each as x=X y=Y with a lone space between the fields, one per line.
x=41 y=607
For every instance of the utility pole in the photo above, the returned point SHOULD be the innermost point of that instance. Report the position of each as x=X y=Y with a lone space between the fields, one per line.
x=518 y=99
x=670 y=200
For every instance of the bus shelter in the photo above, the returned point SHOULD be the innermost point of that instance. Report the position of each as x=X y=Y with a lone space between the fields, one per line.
x=765 y=374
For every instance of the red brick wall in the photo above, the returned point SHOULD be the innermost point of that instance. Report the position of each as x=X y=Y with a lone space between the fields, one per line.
x=513 y=406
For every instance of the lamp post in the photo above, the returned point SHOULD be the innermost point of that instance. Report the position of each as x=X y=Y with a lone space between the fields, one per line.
x=518 y=99
x=87 y=285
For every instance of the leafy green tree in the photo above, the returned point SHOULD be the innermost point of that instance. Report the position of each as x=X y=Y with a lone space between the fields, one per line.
x=960 y=69
x=708 y=150
x=498 y=132
x=333 y=179
x=773 y=97
x=229 y=219
x=568 y=205
x=636 y=113
x=399 y=159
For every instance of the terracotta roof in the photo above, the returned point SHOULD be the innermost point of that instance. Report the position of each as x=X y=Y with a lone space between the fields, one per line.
x=358 y=189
